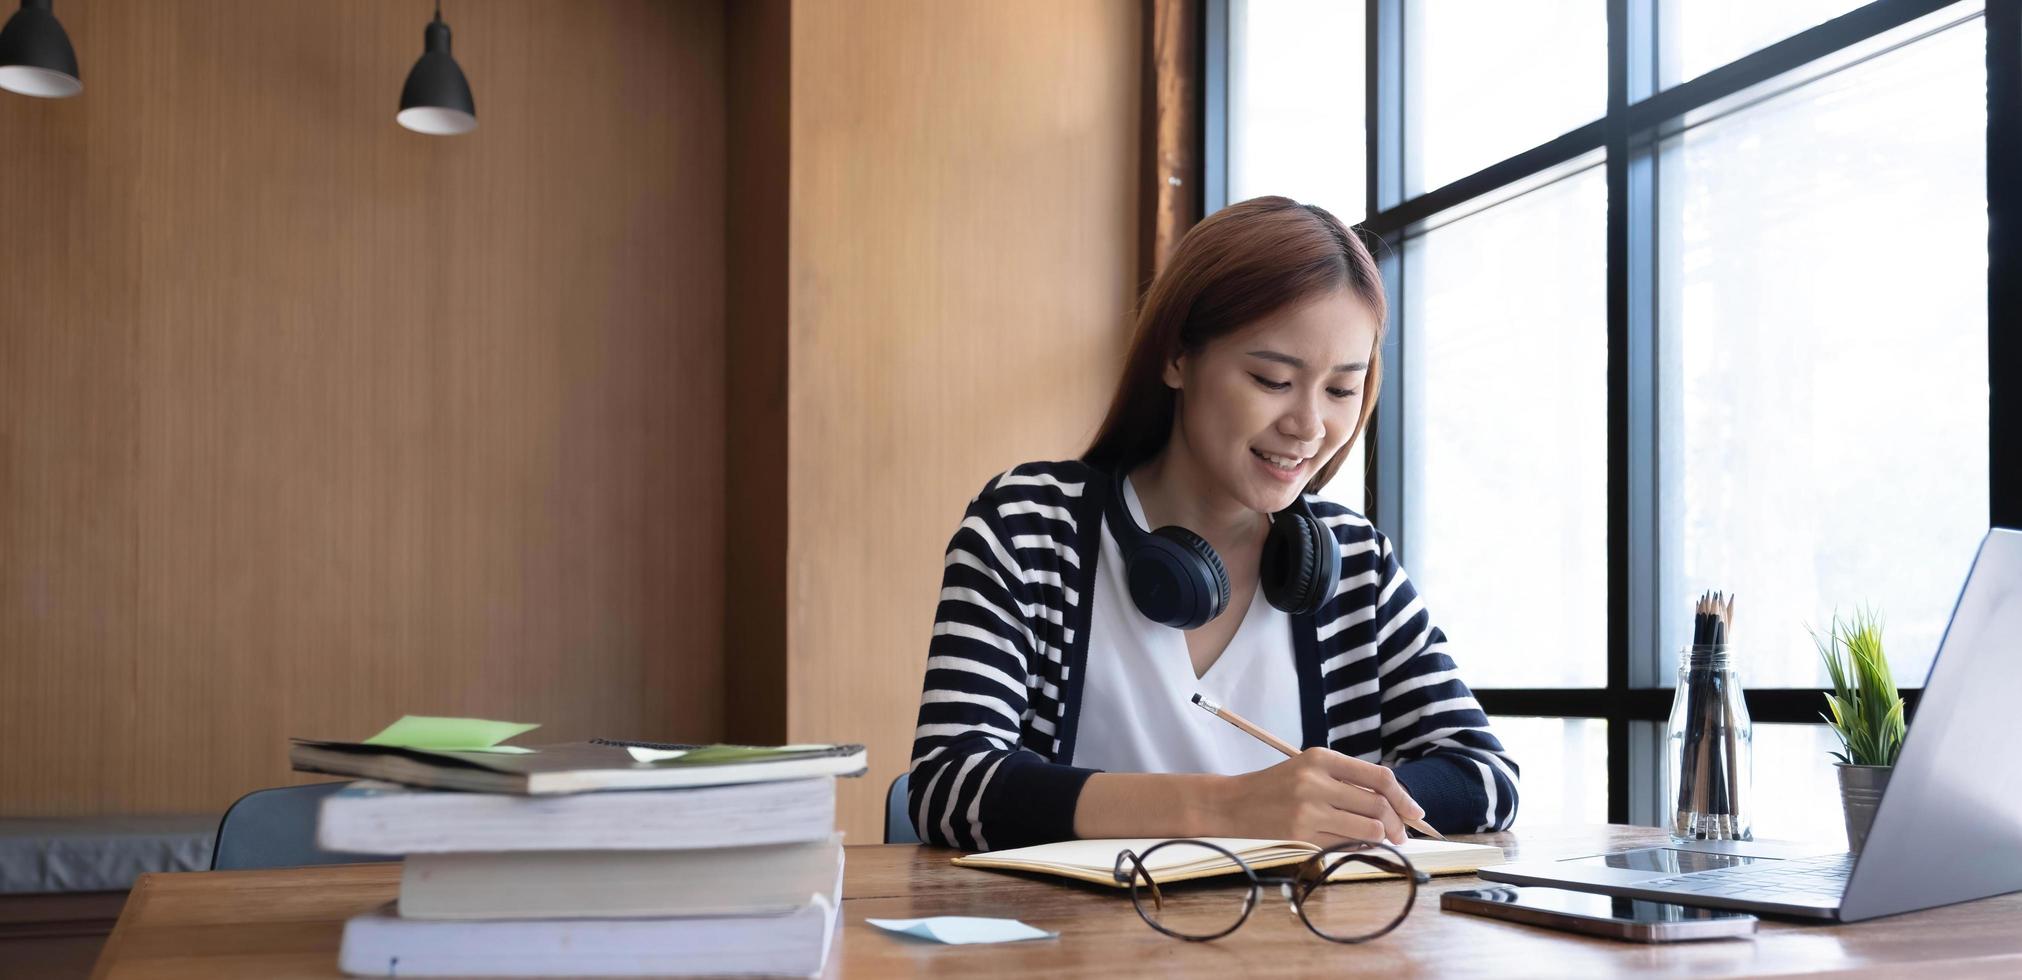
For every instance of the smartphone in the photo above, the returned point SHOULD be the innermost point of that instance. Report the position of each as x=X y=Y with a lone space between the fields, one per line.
x=1628 y=919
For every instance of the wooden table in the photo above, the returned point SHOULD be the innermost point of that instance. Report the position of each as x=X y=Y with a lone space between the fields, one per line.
x=287 y=923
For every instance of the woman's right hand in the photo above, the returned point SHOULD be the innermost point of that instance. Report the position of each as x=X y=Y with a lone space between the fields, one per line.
x=1319 y=796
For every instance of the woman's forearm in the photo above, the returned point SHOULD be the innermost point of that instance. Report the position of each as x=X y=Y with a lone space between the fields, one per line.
x=1132 y=804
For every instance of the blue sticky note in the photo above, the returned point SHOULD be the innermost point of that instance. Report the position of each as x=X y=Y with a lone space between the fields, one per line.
x=963 y=929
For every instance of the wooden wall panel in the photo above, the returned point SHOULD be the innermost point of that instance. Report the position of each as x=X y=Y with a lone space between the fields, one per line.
x=307 y=421
x=963 y=230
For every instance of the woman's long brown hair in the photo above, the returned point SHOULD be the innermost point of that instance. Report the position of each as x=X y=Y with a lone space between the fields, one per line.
x=1245 y=262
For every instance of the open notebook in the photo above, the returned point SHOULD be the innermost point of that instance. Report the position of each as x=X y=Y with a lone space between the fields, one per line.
x=1095 y=860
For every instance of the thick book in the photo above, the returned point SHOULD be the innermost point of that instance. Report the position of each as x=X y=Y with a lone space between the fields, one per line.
x=577 y=767
x=768 y=880
x=795 y=943
x=382 y=818
x=1095 y=860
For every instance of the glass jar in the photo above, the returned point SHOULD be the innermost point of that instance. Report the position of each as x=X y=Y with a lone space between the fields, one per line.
x=1709 y=750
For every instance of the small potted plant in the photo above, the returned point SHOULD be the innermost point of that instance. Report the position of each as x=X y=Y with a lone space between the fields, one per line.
x=1865 y=712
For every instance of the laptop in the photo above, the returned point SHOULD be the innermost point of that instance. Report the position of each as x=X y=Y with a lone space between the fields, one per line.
x=1949 y=825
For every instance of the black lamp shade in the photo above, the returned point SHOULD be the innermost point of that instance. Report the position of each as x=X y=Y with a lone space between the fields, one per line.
x=35 y=55
x=436 y=99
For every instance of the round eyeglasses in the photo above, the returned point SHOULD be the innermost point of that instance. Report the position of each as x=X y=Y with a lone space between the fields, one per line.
x=1351 y=892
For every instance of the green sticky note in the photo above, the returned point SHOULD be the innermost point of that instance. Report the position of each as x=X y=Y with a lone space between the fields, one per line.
x=452 y=734
x=714 y=754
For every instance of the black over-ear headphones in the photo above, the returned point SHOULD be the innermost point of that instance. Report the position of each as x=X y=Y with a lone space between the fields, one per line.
x=1177 y=580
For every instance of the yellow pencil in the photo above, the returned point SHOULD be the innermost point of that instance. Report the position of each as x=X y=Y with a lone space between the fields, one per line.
x=1277 y=743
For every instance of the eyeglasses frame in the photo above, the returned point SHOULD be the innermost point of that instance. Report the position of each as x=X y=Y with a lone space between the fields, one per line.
x=1295 y=888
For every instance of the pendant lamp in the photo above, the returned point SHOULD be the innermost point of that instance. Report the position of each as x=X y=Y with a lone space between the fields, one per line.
x=436 y=99
x=35 y=55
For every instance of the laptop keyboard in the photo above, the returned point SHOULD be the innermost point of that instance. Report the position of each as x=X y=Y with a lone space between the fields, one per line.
x=1803 y=881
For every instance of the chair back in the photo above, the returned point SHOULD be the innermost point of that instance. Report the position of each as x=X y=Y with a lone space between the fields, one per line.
x=276 y=828
x=899 y=823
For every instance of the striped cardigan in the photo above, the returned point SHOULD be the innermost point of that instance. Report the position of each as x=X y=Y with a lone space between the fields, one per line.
x=1009 y=653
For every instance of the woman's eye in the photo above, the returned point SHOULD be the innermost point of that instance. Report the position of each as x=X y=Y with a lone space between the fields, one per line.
x=1343 y=392
x=1272 y=385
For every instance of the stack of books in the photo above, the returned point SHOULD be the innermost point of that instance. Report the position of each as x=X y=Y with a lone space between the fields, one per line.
x=592 y=859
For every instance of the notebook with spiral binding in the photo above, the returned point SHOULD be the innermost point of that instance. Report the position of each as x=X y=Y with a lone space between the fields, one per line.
x=578 y=767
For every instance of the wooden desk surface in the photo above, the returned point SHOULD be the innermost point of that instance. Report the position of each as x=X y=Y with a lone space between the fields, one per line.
x=287 y=923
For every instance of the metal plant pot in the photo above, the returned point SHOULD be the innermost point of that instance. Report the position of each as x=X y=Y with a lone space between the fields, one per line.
x=1860 y=792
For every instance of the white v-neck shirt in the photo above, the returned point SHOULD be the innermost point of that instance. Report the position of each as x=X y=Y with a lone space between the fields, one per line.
x=1137 y=711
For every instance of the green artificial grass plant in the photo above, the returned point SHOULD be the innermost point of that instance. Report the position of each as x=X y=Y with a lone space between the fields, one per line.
x=1865 y=710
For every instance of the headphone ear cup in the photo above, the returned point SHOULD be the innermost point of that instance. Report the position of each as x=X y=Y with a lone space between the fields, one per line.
x=1219 y=593
x=1326 y=562
x=1300 y=569
x=1285 y=566
x=1175 y=577
x=1200 y=585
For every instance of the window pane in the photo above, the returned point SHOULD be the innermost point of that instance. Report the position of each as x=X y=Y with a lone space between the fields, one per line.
x=1796 y=787
x=1697 y=36
x=1505 y=441
x=1822 y=376
x=1296 y=105
x=1487 y=79
x=1564 y=766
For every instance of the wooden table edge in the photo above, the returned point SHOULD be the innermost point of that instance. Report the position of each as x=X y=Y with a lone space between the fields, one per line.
x=136 y=900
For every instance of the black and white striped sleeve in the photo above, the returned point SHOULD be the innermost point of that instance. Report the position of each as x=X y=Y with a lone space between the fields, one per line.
x=973 y=784
x=1435 y=735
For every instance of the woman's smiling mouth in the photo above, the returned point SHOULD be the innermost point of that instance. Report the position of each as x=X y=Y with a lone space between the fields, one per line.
x=1283 y=466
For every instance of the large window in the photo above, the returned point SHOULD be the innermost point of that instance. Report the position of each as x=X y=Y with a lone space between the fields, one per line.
x=1686 y=295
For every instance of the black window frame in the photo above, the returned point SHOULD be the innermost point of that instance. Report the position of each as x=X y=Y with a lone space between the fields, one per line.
x=1635 y=701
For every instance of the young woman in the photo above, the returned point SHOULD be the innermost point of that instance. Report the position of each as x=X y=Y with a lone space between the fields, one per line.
x=1058 y=694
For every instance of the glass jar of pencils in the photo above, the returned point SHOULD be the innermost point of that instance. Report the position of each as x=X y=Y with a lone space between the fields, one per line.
x=1710 y=757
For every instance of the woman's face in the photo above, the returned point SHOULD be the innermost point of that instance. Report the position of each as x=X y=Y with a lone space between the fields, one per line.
x=1262 y=408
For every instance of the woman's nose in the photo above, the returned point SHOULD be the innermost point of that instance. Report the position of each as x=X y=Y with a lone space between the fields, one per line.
x=1303 y=423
